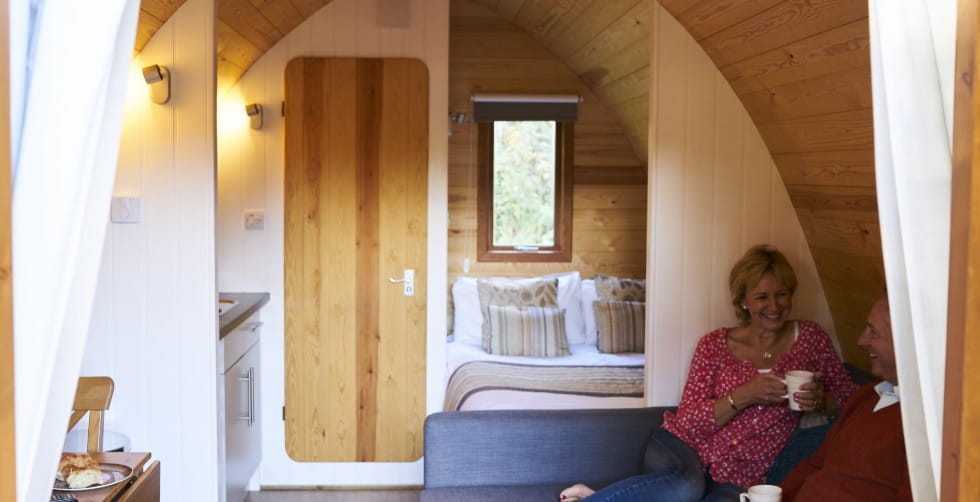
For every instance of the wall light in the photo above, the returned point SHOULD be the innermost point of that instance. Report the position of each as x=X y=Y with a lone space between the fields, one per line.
x=158 y=78
x=254 y=112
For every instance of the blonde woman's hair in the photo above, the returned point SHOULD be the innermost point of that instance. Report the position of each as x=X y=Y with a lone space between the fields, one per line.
x=748 y=271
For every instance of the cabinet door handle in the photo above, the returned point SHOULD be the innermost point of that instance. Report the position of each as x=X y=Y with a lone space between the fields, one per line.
x=250 y=379
x=254 y=326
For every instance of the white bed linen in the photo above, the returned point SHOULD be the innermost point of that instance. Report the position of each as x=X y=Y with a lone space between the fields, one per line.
x=459 y=353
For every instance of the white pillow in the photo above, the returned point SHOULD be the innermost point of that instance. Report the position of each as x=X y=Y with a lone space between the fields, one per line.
x=588 y=297
x=467 y=319
x=570 y=299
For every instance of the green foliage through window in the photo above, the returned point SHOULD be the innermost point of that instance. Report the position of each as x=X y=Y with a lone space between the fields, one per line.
x=524 y=183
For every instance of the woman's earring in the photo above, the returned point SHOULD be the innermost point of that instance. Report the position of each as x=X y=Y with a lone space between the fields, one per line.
x=744 y=307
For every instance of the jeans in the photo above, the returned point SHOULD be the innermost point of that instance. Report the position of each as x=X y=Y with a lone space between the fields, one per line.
x=672 y=473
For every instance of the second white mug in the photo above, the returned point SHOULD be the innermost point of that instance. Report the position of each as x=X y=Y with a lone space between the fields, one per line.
x=794 y=379
x=762 y=493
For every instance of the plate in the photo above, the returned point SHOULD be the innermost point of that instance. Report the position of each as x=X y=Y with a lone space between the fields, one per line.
x=112 y=474
x=225 y=305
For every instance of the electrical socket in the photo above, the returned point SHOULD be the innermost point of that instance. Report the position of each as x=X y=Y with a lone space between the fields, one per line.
x=254 y=219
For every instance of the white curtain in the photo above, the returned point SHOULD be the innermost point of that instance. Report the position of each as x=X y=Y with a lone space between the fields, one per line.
x=69 y=93
x=912 y=57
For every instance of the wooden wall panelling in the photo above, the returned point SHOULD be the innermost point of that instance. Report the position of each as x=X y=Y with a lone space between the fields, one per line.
x=835 y=50
x=960 y=454
x=234 y=53
x=851 y=130
x=628 y=88
x=852 y=283
x=355 y=216
x=547 y=18
x=8 y=443
x=490 y=54
x=780 y=25
x=706 y=17
x=569 y=35
x=838 y=92
x=854 y=168
x=153 y=14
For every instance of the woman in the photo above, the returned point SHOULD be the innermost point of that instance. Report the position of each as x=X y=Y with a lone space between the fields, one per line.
x=733 y=418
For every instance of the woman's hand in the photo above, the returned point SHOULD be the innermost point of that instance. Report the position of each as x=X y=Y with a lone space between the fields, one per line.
x=811 y=396
x=764 y=388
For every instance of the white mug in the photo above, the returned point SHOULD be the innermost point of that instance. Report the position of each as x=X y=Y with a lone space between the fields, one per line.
x=794 y=379
x=762 y=493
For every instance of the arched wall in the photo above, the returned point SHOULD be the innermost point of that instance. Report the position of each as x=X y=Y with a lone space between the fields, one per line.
x=714 y=191
x=250 y=176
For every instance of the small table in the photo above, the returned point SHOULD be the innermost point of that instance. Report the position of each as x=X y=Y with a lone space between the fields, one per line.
x=134 y=460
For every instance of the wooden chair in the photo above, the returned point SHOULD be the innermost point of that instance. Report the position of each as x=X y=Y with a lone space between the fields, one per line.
x=92 y=396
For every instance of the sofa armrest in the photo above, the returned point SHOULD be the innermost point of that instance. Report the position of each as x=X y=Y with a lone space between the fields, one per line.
x=522 y=447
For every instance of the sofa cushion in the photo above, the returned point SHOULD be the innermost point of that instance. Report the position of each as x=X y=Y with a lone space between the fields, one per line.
x=802 y=444
x=493 y=493
x=532 y=447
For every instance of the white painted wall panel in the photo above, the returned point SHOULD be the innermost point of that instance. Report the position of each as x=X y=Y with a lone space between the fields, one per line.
x=714 y=191
x=250 y=167
x=155 y=326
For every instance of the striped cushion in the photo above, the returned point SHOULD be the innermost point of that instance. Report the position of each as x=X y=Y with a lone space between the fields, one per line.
x=527 y=331
x=519 y=292
x=620 y=325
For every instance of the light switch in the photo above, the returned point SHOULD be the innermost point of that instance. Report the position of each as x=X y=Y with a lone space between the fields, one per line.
x=125 y=210
x=254 y=219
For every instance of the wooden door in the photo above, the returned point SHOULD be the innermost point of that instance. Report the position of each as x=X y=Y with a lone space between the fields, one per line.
x=356 y=148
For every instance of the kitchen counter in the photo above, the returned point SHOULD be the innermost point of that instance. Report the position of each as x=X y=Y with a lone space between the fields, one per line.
x=248 y=304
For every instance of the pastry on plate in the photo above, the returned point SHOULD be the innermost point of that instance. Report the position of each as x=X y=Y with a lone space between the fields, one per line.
x=78 y=470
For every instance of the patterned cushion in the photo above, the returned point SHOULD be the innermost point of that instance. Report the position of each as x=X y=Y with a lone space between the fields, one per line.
x=527 y=331
x=620 y=325
x=516 y=292
x=618 y=289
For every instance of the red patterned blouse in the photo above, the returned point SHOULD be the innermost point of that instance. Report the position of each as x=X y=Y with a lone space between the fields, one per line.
x=742 y=450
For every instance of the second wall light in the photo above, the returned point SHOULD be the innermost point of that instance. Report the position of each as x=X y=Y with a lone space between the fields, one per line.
x=158 y=78
x=254 y=112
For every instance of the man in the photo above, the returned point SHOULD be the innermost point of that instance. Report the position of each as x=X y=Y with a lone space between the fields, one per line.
x=863 y=455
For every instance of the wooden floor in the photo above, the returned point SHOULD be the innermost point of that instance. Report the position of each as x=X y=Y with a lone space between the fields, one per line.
x=333 y=496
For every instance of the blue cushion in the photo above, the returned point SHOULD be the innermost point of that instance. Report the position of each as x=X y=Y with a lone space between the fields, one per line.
x=801 y=445
x=493 y=493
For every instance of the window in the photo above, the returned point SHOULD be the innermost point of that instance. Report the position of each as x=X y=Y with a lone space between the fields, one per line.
x=524 y=196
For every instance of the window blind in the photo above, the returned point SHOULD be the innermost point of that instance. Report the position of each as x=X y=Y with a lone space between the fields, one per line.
x=558 y=107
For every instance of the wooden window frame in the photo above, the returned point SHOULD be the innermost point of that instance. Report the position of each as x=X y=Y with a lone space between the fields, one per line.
x=562 y=250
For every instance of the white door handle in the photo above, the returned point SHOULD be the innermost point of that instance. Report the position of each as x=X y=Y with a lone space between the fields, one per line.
x=408 y=280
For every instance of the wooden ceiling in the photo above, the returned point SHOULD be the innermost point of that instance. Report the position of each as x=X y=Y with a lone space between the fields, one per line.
x=246 y=29
x=801 y=68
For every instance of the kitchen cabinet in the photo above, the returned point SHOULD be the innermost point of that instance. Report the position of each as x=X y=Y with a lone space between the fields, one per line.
x=239 y=435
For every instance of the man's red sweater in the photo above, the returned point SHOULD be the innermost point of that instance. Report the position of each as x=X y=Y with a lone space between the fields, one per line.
x=861 y=459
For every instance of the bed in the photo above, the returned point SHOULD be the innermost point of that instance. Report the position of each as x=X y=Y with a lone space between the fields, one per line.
x=585 y=373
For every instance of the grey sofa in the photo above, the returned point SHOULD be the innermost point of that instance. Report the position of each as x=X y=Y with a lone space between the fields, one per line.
x=531 y=455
